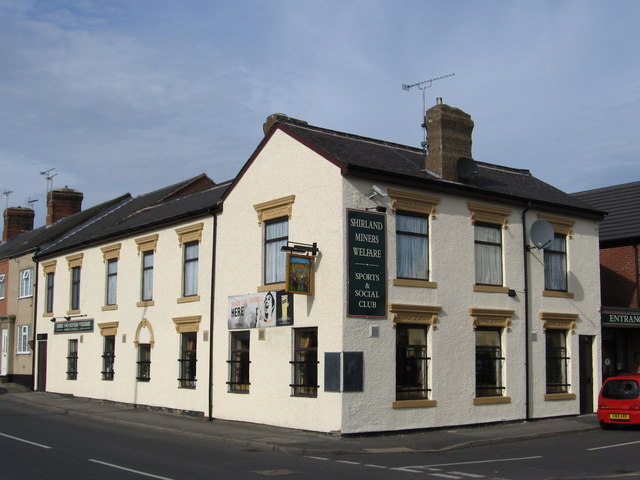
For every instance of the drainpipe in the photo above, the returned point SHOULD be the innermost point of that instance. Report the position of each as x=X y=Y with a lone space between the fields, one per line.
x=214 y=247
x=525 y=250
x=35 y=323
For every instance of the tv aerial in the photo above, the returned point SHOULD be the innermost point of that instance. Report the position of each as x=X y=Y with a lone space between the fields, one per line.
x=49 y=177
x=423 y=86
x=5 y=193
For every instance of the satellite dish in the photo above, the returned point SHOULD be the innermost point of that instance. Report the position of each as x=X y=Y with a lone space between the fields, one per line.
x=466 y=168
x=541 y=233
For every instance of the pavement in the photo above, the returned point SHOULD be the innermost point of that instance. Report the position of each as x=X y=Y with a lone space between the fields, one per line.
x=267 y=438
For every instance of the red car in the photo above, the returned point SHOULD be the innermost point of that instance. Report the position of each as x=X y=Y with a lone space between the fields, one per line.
x=619 y=401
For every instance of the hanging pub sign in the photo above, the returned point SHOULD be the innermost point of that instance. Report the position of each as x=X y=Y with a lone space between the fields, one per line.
x=260 y=310
x=73 y=326
x=299 y=274
x=367 y=260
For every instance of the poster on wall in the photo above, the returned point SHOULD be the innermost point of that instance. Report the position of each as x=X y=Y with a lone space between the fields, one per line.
x=299 y=274
x=366 y=251
x=260 y=310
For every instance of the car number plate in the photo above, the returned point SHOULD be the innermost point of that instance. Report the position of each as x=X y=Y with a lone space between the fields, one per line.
x=619 y=416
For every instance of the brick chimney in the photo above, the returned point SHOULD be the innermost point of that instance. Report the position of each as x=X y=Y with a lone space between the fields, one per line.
x=448 y=139
x=63 y=202
x=17 y=220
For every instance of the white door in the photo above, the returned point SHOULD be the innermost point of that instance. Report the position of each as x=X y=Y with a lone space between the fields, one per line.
x=3 y=352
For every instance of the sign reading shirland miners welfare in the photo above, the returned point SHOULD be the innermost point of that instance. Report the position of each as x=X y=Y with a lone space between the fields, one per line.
x=367 y=285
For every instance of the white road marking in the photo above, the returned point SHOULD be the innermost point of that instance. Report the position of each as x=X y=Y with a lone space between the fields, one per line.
x=515 y=459
x=410 y=469
x=138 y=472
x=319 y=458
x=612 y=446
x=470 y=475
x=444 y=475
x=373 y=466
x=348 y=462
x=25 y=441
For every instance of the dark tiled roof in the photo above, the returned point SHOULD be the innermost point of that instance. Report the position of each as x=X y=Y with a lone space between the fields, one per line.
x=144 y=212
x=30 y=241
x=622 y=204
x=407 y=164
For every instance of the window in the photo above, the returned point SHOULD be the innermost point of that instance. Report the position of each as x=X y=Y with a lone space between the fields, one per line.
x=305 y=362
x=147 y=276
x=108 y=357
x=144 y=362
x=239 y=363
x=555 y=264
x=26 y=283
x=75 y=288
x=187 y=360
x=72 y=360
x=2 y=285
x=24 y=335
x=488 y=254
x=411 y=362
x=489 y=362
x=190 y=269
x=557 y=361
x=111 y=294
x=412 y=246
x=276 y=234
x=49 y=283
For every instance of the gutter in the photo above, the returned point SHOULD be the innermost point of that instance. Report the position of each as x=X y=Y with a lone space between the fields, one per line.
x=35 y=321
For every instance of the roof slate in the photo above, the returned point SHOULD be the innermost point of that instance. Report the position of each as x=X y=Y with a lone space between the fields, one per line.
x=364 y=154
x=622 y=204
x=143 y=212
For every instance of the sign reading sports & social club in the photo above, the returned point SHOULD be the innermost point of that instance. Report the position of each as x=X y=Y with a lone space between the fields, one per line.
x=367 y=260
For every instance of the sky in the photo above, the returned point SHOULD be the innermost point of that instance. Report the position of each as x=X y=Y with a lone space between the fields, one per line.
x=128 y=96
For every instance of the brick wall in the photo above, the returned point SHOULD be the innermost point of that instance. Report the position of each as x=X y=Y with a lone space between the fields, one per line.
x=619 y=276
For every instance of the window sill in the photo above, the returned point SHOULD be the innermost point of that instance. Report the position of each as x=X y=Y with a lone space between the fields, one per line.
x=559 y=396
x=490 y=289
x=193 y=298
x=414 y=403
x=556 y=294
x=272 y=286
x=26 y=296
x=145 y=303
x=410 y=282
x=47 y=314
x=73 y=312
x=241 y=392
x=491 y=400
x=109 y=307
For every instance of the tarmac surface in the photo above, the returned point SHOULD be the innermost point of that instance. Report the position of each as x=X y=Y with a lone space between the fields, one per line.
x=298 y=442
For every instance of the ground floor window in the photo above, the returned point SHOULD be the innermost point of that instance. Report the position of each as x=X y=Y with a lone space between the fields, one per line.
x=24 y=334
x=239 y=362
x=108 y=357
x=187 y=360
x=144 y=362
x=305 y=362
x=411 y=362
x=489 y=361
x=72 y=360
x=557 y=361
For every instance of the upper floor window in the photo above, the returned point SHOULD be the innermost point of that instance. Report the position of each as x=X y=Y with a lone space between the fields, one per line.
x=111 y=282
x=412 y=246
x=2 y=285
x=276 y=234
x=146 y=288
x=75 y=288
x=555 y=264
x=488 y=254
x=49 y=284
x=190 y=269
x=26 y=283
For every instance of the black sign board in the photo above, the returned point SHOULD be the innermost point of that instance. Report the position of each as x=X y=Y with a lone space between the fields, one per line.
x=73 y=326
x=367 y=281
x=621 y=319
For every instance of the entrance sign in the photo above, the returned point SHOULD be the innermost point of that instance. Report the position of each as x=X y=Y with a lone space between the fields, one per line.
x=620 y=319
x=367 y=260
x=73 y=326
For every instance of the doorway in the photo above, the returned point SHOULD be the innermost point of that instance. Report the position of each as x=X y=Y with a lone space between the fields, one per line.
x=586 y=374
x=42 y=365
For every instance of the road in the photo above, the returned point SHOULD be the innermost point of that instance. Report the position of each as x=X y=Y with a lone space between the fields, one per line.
x=38 y=444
